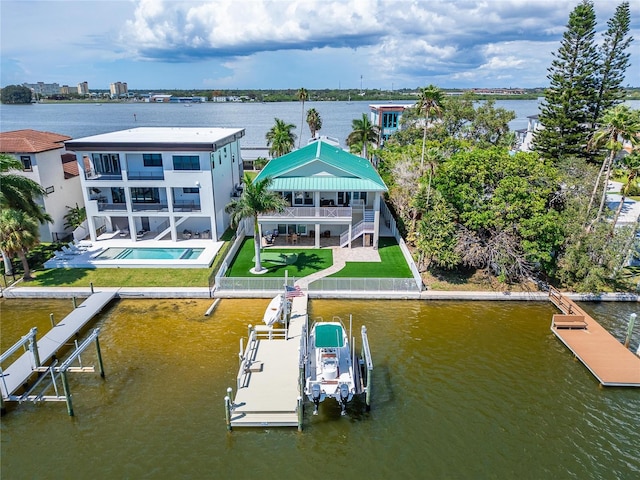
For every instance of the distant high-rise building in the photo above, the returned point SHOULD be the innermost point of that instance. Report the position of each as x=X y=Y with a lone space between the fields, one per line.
x=83 y=88
x=119 y=89
x=42 y=88
x=64 y=90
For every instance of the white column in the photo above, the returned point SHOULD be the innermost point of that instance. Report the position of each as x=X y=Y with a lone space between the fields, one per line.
x=317 y=235
x=376 y=220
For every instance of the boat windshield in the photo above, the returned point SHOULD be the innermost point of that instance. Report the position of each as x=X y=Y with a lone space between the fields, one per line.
x=329 y=336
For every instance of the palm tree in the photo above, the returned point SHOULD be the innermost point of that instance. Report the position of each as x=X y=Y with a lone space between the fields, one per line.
x=303 y=96
x=75 y=217
x=619 y=124
x=280 y=138
x=256 y=199
x=363 y=132
x=19 y=193
x=314 y=121
x=631 y=165
x=18 y=234
x=430 y=105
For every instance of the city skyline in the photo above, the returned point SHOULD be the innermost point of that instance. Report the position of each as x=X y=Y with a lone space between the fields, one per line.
x=257 y=44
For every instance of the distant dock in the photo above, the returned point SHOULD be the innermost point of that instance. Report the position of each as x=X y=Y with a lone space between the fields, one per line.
x=17 y=375
x=607 y=359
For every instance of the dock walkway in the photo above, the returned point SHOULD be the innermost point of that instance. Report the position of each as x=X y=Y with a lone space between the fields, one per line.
x=606 y=358
x=19 y=371
x=269 y=379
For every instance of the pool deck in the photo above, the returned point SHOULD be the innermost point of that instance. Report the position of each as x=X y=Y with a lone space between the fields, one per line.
x=88 y=258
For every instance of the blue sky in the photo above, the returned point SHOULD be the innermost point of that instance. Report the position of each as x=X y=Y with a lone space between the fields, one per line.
x=264 y=44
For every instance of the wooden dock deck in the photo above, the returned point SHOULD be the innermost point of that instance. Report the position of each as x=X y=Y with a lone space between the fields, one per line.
x=268 y=390
x=15 y=376
x=606 y=358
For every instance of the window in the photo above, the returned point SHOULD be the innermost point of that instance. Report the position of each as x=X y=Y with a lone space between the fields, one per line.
x=49 y=189
x=389 y=120
x=360 y=196
x=26 y=163
x=152 y=159
x=186 y=162
x=145 y=195
x=190 y=190
x=107 y=163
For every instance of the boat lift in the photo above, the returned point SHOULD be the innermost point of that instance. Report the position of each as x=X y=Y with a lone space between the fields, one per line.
x=48 y=375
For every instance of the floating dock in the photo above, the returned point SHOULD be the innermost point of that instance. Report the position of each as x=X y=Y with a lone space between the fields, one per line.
x=19 y=372
x=607 y=359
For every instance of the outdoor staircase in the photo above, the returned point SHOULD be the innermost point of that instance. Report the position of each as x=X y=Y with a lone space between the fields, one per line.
x=359 y=229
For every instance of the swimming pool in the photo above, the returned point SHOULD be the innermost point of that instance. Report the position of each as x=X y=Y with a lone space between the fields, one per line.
x=139 y=253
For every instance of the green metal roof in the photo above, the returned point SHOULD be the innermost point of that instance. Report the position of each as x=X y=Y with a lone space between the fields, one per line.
x=322 y=166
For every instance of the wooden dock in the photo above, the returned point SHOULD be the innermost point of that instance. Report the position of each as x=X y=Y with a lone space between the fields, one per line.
x=19 y=372
x=268 y=391
x=606 y=358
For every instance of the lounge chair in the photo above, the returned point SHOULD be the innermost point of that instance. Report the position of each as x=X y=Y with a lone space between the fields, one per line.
x=68 y=251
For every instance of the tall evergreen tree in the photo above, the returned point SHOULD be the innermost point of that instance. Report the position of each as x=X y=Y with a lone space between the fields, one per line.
x=568 y=102
x=614 y=61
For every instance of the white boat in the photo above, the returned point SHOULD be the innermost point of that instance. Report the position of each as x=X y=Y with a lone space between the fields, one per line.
x=330 y=372
x=274 y=311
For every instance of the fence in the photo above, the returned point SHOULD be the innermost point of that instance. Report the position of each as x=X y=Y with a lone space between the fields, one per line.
x=395 y=285
x=391 y=223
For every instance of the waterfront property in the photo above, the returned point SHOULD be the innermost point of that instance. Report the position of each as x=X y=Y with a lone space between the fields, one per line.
x=386 y=116
x=164 y=184
x=330 y=193
x=46 y=162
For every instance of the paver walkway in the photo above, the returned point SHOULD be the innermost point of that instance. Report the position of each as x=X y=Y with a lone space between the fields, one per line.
x=340 y=258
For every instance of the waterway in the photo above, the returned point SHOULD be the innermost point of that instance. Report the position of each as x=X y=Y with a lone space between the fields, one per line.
x=461 y=390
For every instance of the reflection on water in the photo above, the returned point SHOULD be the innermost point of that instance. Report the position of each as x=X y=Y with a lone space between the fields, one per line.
x=461 y=390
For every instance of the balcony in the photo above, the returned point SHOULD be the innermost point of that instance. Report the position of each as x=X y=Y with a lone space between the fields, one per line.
x=301 y=213
x=93 y=175
x=146 y=175
x=112 y=207
x=186 y=206
x=149 y=207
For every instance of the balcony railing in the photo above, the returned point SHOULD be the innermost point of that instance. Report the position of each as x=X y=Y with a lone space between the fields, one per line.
x=142 y=175
x=93 y=175
x=150 y=207
x=111 y=207
x=186 y=206
x=302 y=212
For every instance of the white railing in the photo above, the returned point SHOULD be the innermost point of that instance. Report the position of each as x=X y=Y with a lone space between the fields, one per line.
x=298 y=212
x=350 y=285
x=357 y=230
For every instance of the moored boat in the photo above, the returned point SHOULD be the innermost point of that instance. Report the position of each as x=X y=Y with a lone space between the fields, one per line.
x=330 y=366
x=274 y=311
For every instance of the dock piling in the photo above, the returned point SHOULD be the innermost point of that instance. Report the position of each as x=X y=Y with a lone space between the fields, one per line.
x=91 y=285
x=300 y=413
x=227 y=407
x=67 y=392
x=632 y=320
x=53 y=322
x=75 y=303
x=100 y=364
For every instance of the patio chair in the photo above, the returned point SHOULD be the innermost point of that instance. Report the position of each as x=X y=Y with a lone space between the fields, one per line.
x=68 y=251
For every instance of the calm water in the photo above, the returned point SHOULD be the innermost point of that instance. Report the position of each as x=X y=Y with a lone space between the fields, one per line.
x=462 y=390
x=80 y=120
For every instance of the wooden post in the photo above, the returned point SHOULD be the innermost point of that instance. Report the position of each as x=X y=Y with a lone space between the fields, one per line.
x=53 y=322
x=101 y=366
x=91 y=285
x=75 y=304
x=33 y=346
x=632 y=320
x=300 y=413
x=368 y=395
x=67 y=392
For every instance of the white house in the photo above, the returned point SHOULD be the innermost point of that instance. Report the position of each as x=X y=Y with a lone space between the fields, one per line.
x=159 y=183
x=45 y=161
x=329 y=193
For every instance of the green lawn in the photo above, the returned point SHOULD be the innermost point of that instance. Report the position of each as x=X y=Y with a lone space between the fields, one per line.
x=393 y=264
x=308 y=261
x=119 y=277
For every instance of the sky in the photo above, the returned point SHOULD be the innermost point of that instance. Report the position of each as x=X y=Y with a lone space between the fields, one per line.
x=280 y=44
